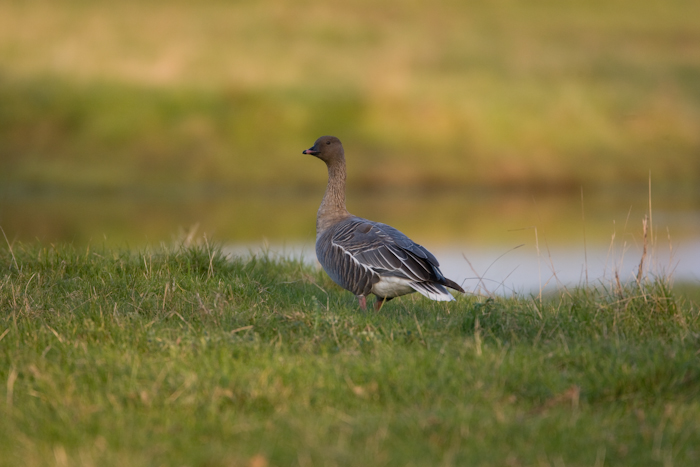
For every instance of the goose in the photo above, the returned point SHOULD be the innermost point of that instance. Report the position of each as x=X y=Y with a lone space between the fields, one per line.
x=367 y=257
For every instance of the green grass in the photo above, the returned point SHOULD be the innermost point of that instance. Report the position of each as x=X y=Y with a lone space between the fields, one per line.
x=181 y=357
x=493 y=93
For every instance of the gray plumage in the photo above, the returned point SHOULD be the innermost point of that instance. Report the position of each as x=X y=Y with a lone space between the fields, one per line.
x=367 y=257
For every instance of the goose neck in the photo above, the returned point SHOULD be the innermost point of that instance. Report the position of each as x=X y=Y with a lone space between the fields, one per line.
x=333 y=205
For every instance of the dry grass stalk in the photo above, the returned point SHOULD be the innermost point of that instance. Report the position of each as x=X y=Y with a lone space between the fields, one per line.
x=585 y=247
x=640 y=272
x=570 y=396
x=619 y=285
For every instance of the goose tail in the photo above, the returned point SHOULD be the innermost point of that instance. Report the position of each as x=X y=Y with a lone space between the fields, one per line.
x=432 y=290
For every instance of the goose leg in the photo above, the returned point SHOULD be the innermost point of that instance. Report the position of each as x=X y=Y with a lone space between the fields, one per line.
x=363 y=302
x=380 y=302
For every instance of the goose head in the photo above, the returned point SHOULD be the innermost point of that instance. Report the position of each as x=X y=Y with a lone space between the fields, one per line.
x=327 y=148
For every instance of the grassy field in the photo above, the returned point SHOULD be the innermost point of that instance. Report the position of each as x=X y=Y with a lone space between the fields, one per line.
x=181 y=357
x=497 y=93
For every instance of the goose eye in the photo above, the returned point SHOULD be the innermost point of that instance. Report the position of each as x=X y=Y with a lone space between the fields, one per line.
x=328 y=142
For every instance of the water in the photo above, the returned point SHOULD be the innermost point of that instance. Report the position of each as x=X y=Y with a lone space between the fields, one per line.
x=490 y=242
x=524 y=269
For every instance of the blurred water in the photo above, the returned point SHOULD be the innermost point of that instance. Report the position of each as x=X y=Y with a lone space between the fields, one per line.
x=491 y=242
x=526 y=270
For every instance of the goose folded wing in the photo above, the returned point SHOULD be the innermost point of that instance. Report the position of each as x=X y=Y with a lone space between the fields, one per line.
x=405 y=243
x=386 y=251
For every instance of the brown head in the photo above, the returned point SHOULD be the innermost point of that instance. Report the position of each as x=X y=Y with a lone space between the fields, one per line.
x=328 y=149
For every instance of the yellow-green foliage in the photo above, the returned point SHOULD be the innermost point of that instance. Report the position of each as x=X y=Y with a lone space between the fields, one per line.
x=497 y=92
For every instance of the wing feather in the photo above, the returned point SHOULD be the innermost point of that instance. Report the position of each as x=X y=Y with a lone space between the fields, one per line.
x=385 y=250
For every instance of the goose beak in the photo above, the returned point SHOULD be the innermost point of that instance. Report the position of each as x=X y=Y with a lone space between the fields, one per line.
x=311 y=151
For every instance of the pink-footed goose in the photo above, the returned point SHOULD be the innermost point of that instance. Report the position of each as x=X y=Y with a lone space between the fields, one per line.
x=368 y=257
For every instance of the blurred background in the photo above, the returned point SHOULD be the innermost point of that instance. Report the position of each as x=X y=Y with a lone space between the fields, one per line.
x=474 y=127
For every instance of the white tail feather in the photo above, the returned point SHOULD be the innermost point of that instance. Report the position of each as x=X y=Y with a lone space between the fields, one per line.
x=432 y=291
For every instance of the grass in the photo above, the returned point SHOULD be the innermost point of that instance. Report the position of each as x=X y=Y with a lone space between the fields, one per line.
x=183 y=357
x=502 y=93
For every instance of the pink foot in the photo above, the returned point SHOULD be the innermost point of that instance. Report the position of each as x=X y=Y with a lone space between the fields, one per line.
x=363 y=302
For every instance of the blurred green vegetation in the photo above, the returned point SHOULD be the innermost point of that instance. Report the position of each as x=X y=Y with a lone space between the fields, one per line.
x=500 y=93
